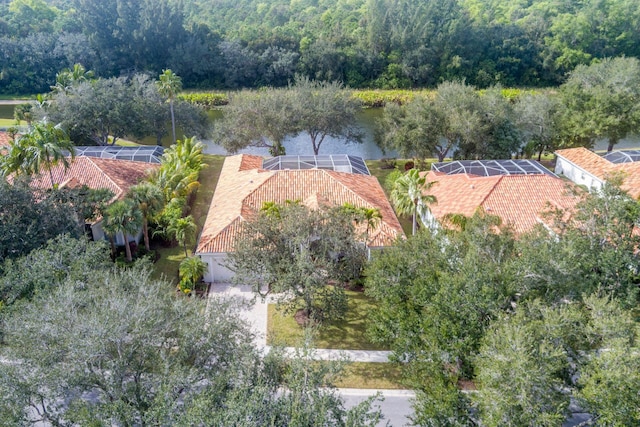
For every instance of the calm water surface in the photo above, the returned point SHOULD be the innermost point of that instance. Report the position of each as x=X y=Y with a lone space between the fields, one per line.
x=301 y=145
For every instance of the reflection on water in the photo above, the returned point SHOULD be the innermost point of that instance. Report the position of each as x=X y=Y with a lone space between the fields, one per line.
x=301 y=145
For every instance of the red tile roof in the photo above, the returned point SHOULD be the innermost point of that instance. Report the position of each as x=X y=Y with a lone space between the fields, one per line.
x=5 y=139
x=602 y=168
x=115 y=175
x=242 y=190
x=519 y=200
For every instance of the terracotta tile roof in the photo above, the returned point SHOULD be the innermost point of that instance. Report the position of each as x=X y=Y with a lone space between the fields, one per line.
x=519 y=200
x=248 y=162
x=602 y=168
x=115 y=175
x=241 y=192
x=5 y=139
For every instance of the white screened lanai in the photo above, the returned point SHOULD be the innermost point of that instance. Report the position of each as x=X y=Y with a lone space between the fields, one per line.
x=492 y=167
x=335 y=162
x=142 y=153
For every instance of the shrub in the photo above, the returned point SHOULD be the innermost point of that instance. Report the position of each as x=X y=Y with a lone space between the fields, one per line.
x=205 y=99
x=387 y=163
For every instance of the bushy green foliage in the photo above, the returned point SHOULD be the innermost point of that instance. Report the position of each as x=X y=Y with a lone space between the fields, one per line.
x=302 y=256
x=386 y=44
x=457 y=121
x=100 y=345
x=63 y=259
x=380 y=98
x=30 y=218
x=205 y=99
x=532 y=320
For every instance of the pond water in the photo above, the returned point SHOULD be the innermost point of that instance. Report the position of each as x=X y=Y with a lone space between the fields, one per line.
x=301 y=145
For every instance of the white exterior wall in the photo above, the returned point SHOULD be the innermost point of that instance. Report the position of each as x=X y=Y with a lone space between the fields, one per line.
x=577 y=174
x=216 y=271
x=97 y=231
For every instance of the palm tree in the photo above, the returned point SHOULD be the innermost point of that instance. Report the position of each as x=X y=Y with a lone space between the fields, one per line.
x=150 y=200
x=42 y=148
x=187 y=153
x=66 y=78
x=191 y=271
x=169 y=85
x=183 y=230
x=122 y=216
x=371 y=216
x=408 y=195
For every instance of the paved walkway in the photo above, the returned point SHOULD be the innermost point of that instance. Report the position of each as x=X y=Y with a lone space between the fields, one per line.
x=256 y=315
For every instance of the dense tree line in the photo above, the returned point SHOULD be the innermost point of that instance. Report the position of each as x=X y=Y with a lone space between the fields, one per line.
x=596 y=102
x=531 y=321
x=363 y=43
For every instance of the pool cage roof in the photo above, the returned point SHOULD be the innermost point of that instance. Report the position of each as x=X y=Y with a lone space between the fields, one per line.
x=627 y=156
x=492 y=167
x=334 y=162
x=142 y=153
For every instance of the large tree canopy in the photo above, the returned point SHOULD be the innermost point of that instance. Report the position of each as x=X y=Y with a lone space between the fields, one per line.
x=102 y=111
x=30 y=218
x=365 y=43
x=603 y=100
x=266 y=118
x=522 y=317
x=455 y=121
x=120 y=348
x=300 y=255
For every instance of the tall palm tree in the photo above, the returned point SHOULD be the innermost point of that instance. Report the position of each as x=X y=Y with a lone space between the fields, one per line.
x=408 y=195
x=42 y=148
x=150 y=200
x=183 y=230
x=169 y=84
x=122 y=216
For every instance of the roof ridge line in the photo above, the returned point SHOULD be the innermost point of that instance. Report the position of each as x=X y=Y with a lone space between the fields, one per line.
x=233 y=221
x=493 y=188
x=347 y=187
x=92 y=160
x=382 y=219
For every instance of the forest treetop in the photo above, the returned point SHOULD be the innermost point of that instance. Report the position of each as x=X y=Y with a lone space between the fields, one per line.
x=362 y=43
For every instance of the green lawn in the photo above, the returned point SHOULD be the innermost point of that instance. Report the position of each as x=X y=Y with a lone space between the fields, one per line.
x=168 y=263
x=346 y=334
x=371 y=375
x=7 y=123
x=125 y=143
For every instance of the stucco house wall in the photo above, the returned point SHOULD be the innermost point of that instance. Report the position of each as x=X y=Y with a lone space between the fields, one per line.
x=217 y=271
x=577 y=174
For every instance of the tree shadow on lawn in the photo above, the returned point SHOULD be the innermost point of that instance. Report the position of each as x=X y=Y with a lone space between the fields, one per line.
x=346 y=334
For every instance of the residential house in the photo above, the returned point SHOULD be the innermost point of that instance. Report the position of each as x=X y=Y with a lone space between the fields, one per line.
x=5 y=140
x=247 y=182
x=584 y=167
x=520 y=192
x=115 y=175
